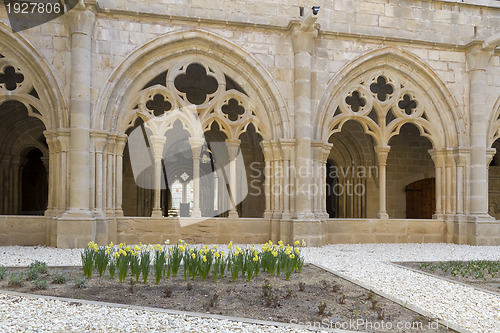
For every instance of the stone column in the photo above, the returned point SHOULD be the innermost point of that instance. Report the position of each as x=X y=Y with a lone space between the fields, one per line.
x=438 y=159
x=449 y=161
x=277 y=188
x=63 y=188
x=158 y=142
x=460 y=162
x=327 y=147
x=287 y=150
x=196 y=145
x=302 y=41
x=317 y=150
x=50 y=139
x=233 y=147
x=121 y=141
x=81 y=22
x=99 y=139
x=268 y=156
x=382 y=153
x=477 y=61
x=110 y=168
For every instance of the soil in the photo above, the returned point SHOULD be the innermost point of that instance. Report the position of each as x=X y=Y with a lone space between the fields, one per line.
x=348 y=306
x=489 y=283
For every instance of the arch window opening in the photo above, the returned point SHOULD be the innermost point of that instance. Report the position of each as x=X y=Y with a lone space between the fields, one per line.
x=196 y=169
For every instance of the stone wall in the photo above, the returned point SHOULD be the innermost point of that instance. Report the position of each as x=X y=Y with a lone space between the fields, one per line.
x=23 y=230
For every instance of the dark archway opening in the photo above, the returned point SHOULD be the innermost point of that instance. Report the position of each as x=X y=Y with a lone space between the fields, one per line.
x=34 y=185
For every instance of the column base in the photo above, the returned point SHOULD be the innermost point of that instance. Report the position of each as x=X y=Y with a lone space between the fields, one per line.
x=311 y=231
x=157 y=213
x=196 y=214
x=268 y=215
x=382 y=215
x=75 y=213
x=233 y=214
x=304 y=216
x=75 y=232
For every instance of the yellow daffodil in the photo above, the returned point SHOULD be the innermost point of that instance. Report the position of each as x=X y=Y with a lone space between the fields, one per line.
x=230 y=244
x=297 y=250
x=255 y=253
x=193 y=255
x=292 y=256
x=204 y=259
x=216 y=255
x=215 y=247
x=275 y=253
x=297 y=242
x=255 y=258
x=116 y=254
x=137 y=248
x=111 y=244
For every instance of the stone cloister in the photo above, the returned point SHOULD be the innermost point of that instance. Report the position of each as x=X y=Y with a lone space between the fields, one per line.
x=125 y=122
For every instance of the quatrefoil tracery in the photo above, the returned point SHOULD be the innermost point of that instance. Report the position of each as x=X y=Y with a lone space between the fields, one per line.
x=382 y=106
x=15 y=85
x=202 y=89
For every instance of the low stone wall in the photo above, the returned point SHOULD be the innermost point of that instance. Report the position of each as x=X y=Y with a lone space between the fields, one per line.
x=384 y=231
x=36 y=230
x=215 y=230
x=23 y=230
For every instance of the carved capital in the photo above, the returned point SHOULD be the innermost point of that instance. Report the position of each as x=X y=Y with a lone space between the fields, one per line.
x=158 y=142
x=477 y=58
x=81 y=20
x=287 y=148
x=99 y=140
x=267 y=150
x=382 y=153
x=233 y=147
x=461 y=156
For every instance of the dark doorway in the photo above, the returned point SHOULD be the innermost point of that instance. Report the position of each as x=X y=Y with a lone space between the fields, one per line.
x=421 y=199
x=34 y=184
x=332 y=199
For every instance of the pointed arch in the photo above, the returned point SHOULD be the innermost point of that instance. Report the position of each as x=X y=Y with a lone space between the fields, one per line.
x=50 y=107
x=440 y=120
x=494 y=124
x=149 y=60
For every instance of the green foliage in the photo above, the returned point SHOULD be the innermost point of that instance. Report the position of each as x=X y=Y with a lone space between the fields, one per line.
x=40 y=266
x=16 y=280
x=145 y=263
x=88 y=259
x=40 y=284
x=112 y=268
x=159 y=263
x=3 y=272
x=102 y=257
x=32 y=274
x=59 y=278
x=81 y=283
x=468 y=269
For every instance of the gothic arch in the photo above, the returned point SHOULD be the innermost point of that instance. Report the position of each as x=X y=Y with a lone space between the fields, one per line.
x=494 y=124
x=47 y=103
x=197 y=46
x=412 y=82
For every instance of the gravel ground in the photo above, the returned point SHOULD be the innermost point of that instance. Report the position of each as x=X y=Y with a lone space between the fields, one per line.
x=466 y=307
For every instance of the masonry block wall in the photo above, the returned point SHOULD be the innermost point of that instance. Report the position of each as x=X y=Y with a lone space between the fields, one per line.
x=442 y=57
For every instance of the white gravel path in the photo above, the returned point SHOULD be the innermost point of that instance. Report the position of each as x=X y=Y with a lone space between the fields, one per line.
x=464 y=306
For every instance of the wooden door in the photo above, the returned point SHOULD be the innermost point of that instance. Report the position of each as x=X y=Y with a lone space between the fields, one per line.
x=421 y=199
